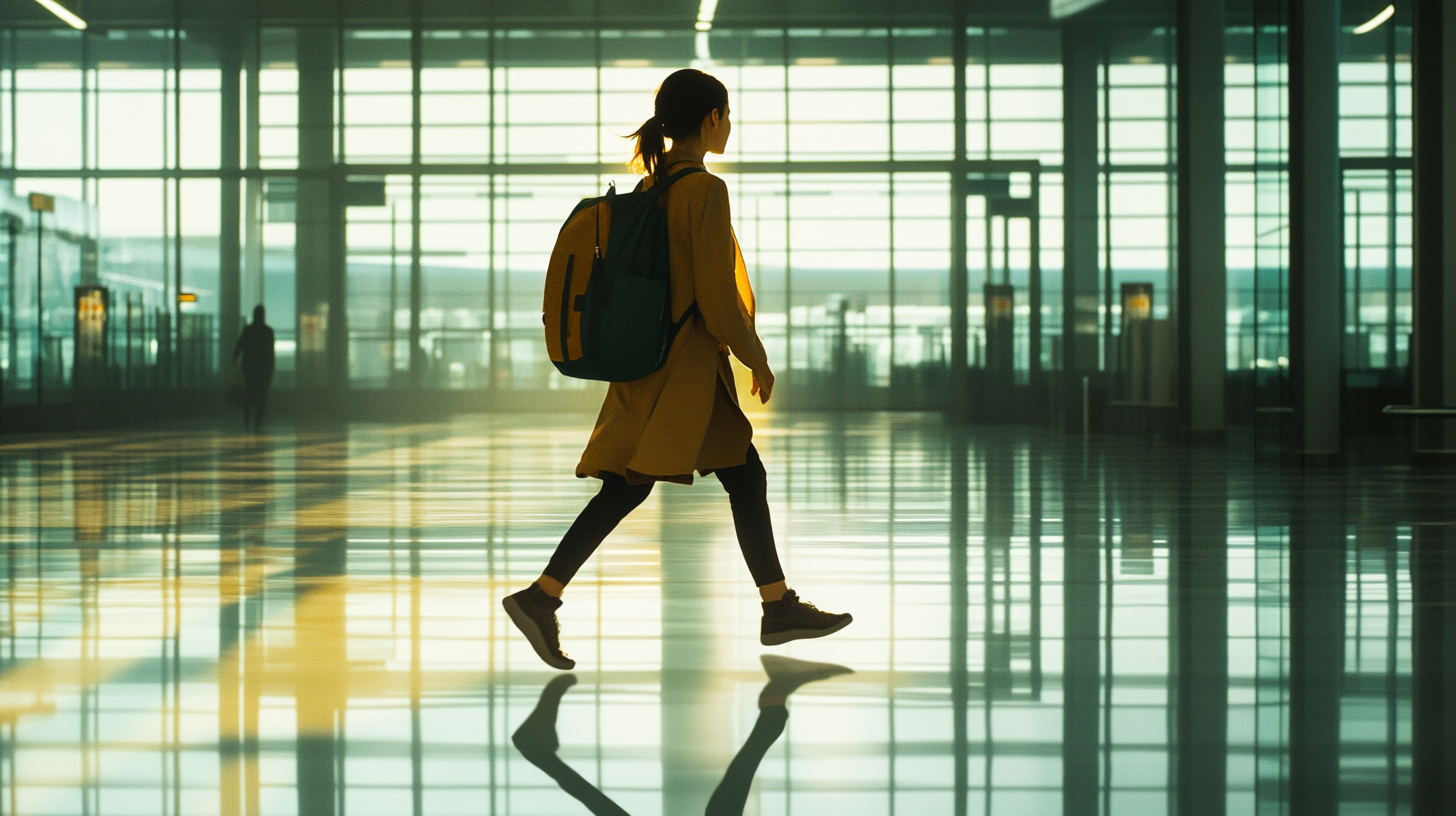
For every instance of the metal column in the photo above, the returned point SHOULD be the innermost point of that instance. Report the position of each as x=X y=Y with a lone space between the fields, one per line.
x=229 y=243
x=1080 y=353
x=417 y=359
x=958 y=399
x=316 y=203
x=1433 y=280
x=1202 y=285
x=1315 y=246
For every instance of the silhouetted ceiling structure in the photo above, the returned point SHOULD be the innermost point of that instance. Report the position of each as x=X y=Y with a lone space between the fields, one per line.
x=663 y=14
x=742 y=28
x=666 y=14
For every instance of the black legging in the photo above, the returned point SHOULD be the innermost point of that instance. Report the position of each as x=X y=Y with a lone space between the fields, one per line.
x=747 y=486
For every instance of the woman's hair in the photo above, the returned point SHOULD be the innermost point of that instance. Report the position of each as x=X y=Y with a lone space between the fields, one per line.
x=683 y=99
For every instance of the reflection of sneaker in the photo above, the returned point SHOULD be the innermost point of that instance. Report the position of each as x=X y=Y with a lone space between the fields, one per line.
x=537 y=734
x=534 y=613
x=785 y=674
x=792 y=619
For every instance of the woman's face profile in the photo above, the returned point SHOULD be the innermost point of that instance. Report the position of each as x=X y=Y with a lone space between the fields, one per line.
x=717 y=131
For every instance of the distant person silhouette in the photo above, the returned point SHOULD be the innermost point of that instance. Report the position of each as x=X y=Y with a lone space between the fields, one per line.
x=255 y=347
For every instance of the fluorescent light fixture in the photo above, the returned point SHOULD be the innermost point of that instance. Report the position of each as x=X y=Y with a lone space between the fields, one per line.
x=702 y=51
x=706 y=10
x=1377 y=21
x=64 y=13
x=1062 y=9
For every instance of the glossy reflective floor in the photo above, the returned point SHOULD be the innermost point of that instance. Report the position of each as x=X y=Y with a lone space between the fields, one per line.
x=308 y=622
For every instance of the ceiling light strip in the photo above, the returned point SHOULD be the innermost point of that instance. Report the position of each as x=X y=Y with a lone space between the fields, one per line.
x=67 y=15
x=1377 y=21
x=706 y=11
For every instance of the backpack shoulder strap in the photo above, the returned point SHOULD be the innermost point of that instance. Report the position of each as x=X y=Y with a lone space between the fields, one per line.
x=661 y=187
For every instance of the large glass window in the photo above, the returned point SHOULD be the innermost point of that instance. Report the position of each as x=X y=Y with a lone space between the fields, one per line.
x=839 y=166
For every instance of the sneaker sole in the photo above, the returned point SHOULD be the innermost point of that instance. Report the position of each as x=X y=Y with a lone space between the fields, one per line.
x=780 y=638
x=533 y=635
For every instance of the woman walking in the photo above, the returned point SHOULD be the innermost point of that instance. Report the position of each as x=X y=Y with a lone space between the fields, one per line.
x=685 y=416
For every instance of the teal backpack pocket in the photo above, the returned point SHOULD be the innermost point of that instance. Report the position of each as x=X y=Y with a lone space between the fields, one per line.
x=632 y=329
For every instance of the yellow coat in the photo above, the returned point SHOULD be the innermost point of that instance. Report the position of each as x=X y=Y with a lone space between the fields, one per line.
x=685 y=416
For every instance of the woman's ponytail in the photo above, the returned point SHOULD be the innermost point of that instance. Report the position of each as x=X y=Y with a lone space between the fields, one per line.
x=651 y=144
x=683 y=99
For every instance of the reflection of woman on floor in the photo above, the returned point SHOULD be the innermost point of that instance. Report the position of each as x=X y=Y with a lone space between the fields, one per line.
x=537 y=742
x=685 y=416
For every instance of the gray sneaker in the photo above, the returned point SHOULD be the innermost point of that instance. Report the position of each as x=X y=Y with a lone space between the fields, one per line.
x=792 y=619
x=534 y=613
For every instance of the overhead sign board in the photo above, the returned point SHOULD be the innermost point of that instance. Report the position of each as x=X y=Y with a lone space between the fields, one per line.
x=1062 y=9
x=364 y=193
x=40 y=202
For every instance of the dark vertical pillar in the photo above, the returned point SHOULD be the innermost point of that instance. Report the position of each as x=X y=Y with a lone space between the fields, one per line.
x=314 y=242
x=229 y=242
x=1448 y=212
x=1081 y=53
x=417 y=358
x=252 y=277
x=957 y=407
x=1315 y=251
x=1316 y=646
x=1202 y=311
x=1433 y=668
x=1433 y=280
x=1199 y=648
x=1081 y=646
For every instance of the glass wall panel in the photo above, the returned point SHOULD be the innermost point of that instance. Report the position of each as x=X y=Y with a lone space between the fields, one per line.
x=838 y=96
x=1377 y=276
x=378 y=97
x=278 y=98
x=199 y=216
x=199 y=109
x=528 y=213
x=47 y=105
x=852 y=268
x=923 y=99
x=131 y=106
x=46 y=259
x=455 y=320
x=378 y=282
x=551 y=112
x=277 y=283
x=455 y=85
x=919 y=342
x=134 y=264
x=759 y=100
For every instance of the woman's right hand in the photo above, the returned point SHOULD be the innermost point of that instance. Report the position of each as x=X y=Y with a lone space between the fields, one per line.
x=763 y=382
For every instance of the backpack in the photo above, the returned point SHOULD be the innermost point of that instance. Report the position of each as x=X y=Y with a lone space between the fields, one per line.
x=608 y=305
